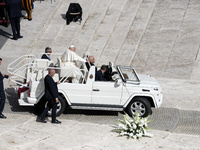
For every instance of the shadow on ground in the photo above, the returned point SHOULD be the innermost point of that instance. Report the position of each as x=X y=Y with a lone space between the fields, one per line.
x=13 y=105
x=4 y=33
x=63 y=16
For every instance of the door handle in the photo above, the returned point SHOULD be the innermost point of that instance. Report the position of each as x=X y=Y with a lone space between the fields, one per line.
x=96 y=90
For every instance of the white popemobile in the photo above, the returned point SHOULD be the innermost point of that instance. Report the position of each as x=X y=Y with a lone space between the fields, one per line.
x=126 y=90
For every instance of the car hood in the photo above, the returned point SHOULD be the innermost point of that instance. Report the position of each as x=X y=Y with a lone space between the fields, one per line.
x=146 y=80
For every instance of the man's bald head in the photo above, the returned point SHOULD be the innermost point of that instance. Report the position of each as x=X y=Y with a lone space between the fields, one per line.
x=91 y=59
x=52 y=72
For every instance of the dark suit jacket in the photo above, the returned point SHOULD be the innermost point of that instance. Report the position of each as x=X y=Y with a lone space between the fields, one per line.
x=14 y=8
x=51 y=89
x=1 y=81
x=44 y=56
x=99 y=76
x=89 y=65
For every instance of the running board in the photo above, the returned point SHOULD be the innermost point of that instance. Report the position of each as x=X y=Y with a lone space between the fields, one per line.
x=97 y=108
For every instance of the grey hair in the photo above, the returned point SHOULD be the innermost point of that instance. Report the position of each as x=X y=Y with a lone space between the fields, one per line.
x=51 y=70
x=47 y=49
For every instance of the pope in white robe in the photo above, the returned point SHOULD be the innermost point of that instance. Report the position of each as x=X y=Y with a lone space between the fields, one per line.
x=72 y=62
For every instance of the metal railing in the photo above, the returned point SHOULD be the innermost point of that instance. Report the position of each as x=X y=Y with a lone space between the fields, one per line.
x=22 y=70
x=18 y=69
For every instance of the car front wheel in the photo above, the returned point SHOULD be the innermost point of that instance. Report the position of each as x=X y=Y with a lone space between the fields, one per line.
x=140 y=105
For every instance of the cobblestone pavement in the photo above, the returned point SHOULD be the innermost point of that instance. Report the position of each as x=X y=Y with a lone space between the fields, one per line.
x=166 y=119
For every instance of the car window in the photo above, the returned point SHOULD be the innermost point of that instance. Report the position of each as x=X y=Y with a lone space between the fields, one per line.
x=128 y=74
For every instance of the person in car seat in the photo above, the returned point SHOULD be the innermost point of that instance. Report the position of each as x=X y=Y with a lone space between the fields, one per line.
x=100 y=74
x=72 y=61
x=90 y=62
x=47 y=54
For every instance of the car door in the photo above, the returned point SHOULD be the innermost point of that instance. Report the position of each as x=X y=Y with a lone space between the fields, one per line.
x=77 y=93
x=106 y=92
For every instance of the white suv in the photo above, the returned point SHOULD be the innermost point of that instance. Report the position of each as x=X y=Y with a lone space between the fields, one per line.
x=126 y=90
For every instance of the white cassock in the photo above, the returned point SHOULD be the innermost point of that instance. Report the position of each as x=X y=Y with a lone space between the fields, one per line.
x=72 y=61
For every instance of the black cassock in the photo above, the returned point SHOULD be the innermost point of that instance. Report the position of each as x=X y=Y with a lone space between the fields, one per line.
x=74 y=13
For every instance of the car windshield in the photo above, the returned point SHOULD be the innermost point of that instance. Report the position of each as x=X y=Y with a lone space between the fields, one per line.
x=128 y=74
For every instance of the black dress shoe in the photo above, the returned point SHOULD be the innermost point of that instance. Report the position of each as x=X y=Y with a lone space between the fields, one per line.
x=19 y=36
x=56 y=121
x=39 y=119
x=14 y=38
x=2 y=116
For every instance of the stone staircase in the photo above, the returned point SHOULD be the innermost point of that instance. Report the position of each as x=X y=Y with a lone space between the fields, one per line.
x=106 y=30
x=135 y=34
x=58 y=35
x=170 y=46
x=110 y=30
x=155 y=37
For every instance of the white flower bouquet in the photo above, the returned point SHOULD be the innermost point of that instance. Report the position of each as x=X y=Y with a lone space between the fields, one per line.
x=134 y=127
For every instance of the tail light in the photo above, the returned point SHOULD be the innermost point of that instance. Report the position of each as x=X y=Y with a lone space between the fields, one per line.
x=29 y=92
x=21 y=90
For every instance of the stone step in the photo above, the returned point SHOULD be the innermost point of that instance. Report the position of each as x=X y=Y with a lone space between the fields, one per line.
x=57 y=27
x=65 y=38
x=44 y=18
x=106 y=29
x=31 y=31
x=153 y=36
x=57 y=31
x=135 y=34
x=52 y=29
x=170 y=45
x=185 y=51
x=119 y=33
x=92 y=23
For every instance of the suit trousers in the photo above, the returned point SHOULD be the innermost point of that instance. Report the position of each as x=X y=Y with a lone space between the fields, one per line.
x=15 y=25
x=2 y=101
x=51 y=105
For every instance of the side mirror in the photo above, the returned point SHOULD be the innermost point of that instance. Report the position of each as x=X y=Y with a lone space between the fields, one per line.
x=118 y=81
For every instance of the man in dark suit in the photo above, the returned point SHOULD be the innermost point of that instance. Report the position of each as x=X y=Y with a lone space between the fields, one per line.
x=2 y=94
x=90 y=63
x=51 y=95
x=47 y=54
x=100 y=74
x=14 y=12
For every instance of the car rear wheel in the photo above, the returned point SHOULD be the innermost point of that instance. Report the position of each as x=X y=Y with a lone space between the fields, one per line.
x=140 y=105
x=61 y=106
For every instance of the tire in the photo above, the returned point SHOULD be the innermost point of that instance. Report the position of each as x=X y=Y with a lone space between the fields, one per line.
x=61 y=106
x=140 y=105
